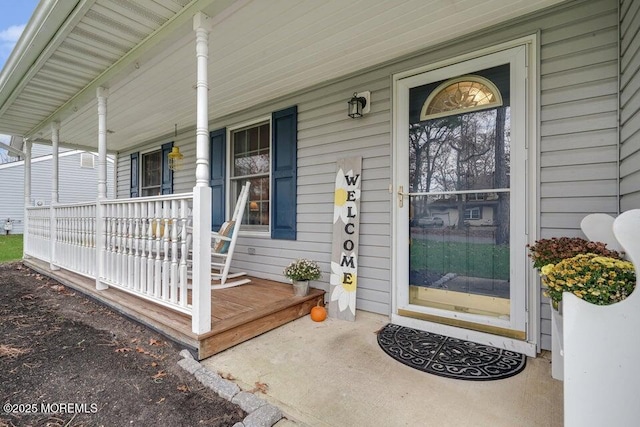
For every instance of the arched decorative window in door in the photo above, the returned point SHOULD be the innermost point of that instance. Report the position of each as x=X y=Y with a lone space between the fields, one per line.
x=461 y=95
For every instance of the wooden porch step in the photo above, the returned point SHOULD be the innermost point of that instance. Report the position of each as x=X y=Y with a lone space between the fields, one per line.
x=249 y=310
x=237 y=314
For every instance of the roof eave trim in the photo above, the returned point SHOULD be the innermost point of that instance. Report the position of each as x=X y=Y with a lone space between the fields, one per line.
x=42 y=27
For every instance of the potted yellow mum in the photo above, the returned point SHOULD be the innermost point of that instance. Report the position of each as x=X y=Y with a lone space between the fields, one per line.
x=594 y=278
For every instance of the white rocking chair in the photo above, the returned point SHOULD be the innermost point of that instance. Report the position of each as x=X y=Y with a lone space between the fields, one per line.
x=223 y=244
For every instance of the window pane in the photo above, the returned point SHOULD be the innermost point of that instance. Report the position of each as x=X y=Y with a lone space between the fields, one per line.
x=460 y=246
x=151 y=173
x=253 y=139
x=251 y=157
x=256 y=213
x=251 y=164
x=264 y=136
x=239 y=142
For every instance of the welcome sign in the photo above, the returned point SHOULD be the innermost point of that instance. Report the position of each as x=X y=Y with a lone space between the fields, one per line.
x=346 y=230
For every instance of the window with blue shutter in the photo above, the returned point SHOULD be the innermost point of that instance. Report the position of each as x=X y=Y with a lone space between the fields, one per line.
x=133 y=187
x=167 y=174
x=284 y=141
x=150 y=174
x=272 y=201
x=218 y=143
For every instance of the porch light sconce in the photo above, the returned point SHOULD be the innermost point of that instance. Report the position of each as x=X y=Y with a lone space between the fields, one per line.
x=175 y=159
x=175 y=156
x=359 y=104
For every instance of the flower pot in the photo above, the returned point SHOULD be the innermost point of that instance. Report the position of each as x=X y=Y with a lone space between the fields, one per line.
x=557 y=344
x=300 y=288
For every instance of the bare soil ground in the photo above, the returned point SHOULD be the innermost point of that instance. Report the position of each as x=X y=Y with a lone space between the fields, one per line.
x=58 y=348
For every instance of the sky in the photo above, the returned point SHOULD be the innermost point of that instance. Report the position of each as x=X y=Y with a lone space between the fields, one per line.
x=14 y=15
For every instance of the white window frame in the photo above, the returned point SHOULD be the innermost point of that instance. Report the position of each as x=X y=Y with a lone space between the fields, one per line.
x=229 y=197
x=141 y=156
x=471 y=216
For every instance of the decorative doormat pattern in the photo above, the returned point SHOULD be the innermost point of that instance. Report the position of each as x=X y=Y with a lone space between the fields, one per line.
x=449 y=357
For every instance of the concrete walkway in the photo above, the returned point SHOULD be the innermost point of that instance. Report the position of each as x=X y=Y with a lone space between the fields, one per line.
x=334 y=374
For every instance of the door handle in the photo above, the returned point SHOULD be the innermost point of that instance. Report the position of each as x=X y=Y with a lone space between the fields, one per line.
x=401 y=196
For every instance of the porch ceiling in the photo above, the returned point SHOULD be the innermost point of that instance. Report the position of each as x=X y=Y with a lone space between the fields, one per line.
x=144 y=52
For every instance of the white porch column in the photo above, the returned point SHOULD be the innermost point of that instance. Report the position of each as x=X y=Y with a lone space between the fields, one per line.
x=101 y=94
x=201 y=299
x=27 y=196
x=55 y=139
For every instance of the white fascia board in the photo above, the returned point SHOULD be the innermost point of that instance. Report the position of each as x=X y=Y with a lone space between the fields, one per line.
x=41 y=31
x=64 y=144
x=48 y=157
x=12 y=150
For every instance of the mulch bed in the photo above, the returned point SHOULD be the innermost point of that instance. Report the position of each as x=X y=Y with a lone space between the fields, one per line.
x=75 y=362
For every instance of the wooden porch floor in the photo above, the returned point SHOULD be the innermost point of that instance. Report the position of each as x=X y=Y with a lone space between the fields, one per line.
x=238 y=314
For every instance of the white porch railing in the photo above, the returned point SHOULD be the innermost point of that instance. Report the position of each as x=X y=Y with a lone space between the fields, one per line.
x=146 y=247
x=144 y=250
x=37 y=235
x=75 y=246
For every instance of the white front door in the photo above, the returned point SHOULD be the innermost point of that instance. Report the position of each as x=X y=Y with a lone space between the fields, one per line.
x=461 y=162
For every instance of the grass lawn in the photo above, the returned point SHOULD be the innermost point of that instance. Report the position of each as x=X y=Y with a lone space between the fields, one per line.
x=10 y=247
x=467 y=259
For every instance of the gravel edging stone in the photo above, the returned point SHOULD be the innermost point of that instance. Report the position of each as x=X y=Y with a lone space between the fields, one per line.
x=260 y=413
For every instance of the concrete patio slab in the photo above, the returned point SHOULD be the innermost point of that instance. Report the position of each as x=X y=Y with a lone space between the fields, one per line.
x=334 y=374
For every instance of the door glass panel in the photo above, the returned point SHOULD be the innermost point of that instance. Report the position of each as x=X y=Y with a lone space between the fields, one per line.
x=460 y=246
x=459 y=177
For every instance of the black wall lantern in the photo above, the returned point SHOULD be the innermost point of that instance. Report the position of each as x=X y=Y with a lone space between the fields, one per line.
x=359 y=104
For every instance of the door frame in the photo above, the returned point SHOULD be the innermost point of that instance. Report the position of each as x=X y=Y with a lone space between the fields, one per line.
x=531 y=344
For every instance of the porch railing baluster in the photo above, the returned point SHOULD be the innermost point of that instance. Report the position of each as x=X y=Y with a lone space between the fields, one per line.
x=120 y=265
x=173 y=292
x=136 y=244
x=166 y=264
x=130 y=253
x=144 y=244
x=157 y=284
x=183 y=253
x=150 y=243
x=82 y=236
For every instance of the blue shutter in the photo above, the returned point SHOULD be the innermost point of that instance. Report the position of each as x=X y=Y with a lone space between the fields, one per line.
x=133 y=178
x=218 y=144
x=167 y=174
x=284 y=140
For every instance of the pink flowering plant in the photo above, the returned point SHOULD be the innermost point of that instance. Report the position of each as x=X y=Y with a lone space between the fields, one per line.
x=594 y=278
x=302 y=269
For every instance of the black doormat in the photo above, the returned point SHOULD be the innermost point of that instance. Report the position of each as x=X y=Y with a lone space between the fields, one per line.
x=449 y=357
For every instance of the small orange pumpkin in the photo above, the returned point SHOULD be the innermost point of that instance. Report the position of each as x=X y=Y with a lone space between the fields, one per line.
x=318 y=313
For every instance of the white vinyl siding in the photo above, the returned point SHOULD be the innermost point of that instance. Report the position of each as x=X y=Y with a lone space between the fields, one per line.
x=183 y=179
x=75 y=184
x=577 y=147
x=630 y=105
x=578 y=143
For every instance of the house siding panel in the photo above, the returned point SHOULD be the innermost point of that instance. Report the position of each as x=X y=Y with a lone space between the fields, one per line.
x=578 y=127
x=630 y=105
x=75 y=184
x=577 y=147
